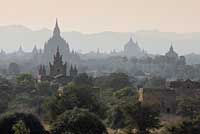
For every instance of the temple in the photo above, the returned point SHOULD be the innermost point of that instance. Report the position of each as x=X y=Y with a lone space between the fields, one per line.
x=171 y=53
x=55 y=41
x=57 y=68
x=57 y=71
x=132 y=49
x=56 y=64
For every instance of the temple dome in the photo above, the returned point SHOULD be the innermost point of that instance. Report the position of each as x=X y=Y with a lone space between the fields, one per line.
x=132 y=49
x=171 y=53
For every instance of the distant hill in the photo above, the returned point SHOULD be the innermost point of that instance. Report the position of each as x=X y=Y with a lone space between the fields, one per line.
x=11 y=37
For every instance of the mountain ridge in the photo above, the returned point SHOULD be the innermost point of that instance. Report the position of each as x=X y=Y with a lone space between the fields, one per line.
x=12 y=36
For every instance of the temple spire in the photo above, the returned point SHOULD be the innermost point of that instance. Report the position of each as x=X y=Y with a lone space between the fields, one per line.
x=20 y=50
x=171 y=48
x=56 y=31
x=35 y=50
x=131 y=39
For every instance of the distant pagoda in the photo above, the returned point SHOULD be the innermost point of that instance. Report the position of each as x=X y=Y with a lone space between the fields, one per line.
x=51 y=45
x=171 y=53
x=132 y=49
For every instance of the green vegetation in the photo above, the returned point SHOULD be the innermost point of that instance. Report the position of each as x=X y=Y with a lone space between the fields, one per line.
x=188 y=106
x=25 y=79
x=134 y=116
x=6 y=94
x=115 y=81
x=186 y=127
x=11 y=123
x=83 y=80
x=92 y=104
x=20 y=128
x=75 y=96
x=142 y=118
x=78 y=121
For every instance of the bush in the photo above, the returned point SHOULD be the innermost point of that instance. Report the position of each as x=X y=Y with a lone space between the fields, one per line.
x=186 y=127
x=115 y=81
x=78 y=121
x=7 y=121
x=74 y=96
x=142 y=118
x=20 y=128
x=6 y=94
x=25 y=79
x=188 y=106
x=125 y=92
x=83 y=80
x=116 y=117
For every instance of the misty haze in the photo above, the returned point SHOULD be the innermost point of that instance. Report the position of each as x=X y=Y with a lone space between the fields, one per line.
x=99 y=67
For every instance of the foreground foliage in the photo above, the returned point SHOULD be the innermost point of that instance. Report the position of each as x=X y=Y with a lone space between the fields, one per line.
x=186 y=127
x=20 y=128
x=143 y=118
x=78 y=121
x=75 y=96
x=8 y=123
x=129 y=116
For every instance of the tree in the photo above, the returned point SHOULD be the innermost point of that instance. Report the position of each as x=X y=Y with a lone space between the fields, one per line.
x=25 y=79
x=8 y=121
x=186 y=127
x=117 y=118
x=6 y=94
x=20 y=128
x=21 y=103
x=83 y=80
x=142 y=118
x=125 y=92
x=13 y=68
x=118 y=81
x=78 y=121
x=188 y=106
x=114 y=80
x=155 y=82
x=25 y=83
x=128 y=116
x=45 y=89
x=75 y=96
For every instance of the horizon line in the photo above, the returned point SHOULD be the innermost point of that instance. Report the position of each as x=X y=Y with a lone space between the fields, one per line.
x=83 y=32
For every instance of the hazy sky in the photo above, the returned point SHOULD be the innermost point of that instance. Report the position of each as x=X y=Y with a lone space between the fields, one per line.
x=104 y=15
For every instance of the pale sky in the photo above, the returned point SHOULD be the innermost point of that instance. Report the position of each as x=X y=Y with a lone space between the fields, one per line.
x=104 y=15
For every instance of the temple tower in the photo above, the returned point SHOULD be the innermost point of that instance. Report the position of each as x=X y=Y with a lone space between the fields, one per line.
x=58 y=67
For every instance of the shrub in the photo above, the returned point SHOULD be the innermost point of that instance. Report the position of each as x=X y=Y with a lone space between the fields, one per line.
x=78 y=121
x=7 y=121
